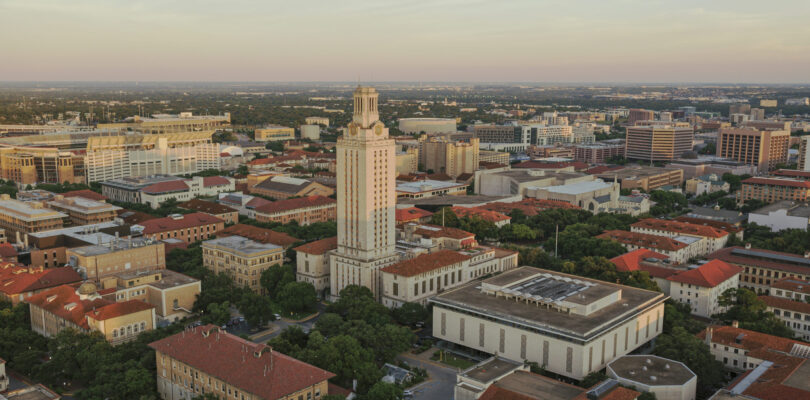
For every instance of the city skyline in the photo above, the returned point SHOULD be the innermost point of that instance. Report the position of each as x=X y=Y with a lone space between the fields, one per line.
x=450 y=41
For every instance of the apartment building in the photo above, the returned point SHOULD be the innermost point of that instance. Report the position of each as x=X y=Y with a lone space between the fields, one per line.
x=408 y=161
x=312 y=263
x=304 y=210
x=18 y=283
x=710 y=239
x=82 y=211
x=804 y=153
x=188 y=228
x=761 y=268
x=657 y=142
x=18 y=218
x=636 y=114
x=498 y=133
x=570 y=325
x=284 y=187
x=417 y=279
x=223 y=212
x=789 y=300
x=82 y=308
x=99 y=261
x=208 y=360
x=441 y=155
x=598 y=153
x=273 y=133
x=762 y=148
x=770 y=190
x=242 y=259
x=702 y=287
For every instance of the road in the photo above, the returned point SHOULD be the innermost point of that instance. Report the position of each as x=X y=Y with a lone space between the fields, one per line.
x=281 y=325
x=442 y=380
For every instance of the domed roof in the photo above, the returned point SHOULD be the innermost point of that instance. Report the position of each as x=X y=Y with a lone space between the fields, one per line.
x=87 y=288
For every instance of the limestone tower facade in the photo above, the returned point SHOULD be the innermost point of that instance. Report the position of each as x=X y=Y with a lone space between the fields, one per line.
x=366 y=199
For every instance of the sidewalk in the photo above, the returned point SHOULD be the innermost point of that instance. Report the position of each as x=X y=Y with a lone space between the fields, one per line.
x=272 y=329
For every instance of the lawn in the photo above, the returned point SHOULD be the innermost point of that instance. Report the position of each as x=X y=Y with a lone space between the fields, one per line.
x=452 y=360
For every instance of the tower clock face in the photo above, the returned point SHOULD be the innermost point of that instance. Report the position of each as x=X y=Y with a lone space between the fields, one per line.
x=353 y=129
x=378 y=129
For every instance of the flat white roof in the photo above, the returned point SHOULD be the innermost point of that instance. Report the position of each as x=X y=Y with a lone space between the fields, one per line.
x=426 y=185
x=579 y=187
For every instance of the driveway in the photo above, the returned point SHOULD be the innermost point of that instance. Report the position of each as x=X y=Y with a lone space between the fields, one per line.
x=441 y=379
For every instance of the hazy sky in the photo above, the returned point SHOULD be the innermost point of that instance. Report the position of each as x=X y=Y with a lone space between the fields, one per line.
x=400 y=40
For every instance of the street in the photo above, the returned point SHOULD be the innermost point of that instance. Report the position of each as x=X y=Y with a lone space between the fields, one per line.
x=441 y=379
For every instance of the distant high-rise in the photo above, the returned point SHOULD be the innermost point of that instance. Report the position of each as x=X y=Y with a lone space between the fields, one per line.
x=757 y=114
x=637 y=114
x=804 y=154
x=657 y=142
x=740 y=108
x=366 y=196
x=763 y=148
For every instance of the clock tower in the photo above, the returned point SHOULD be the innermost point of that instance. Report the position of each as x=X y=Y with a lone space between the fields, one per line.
x=366 y=199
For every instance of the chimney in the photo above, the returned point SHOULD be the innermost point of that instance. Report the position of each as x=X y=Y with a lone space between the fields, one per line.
x=26 y=240
x=735 y=324
x=747 y=246
x=709 y=331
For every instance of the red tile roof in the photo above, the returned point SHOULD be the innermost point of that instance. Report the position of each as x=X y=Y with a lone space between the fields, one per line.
x=725 y=226
x=209 y=181
x=294 y=204
x=64 y=302
x=680 y=227
x=7 y=250
x=251 y=367
x=643 y=240
x=630 y=261
x=484 y=214
x=792 y=173
x=792 y=284
x=15 y=279
x=602 y=169
x=166 y=187
x=186 y=221
x=262 y=235
x=319 y=246
x=495 y=392
x=116 y=310
x=436 y=231
x=208 y=207
x=411 y=214
x=425 y=263
x=710 y=274
x=85 y=193
x=727 y=254
x=786 y=304
x=750 y=340
x=134 y=217
x=777 y=182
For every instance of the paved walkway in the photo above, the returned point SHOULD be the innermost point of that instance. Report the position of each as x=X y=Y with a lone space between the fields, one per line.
x=441 y=378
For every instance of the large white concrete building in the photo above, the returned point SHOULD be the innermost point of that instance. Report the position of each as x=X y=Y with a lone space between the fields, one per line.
x=568 y=324
x=366 y=197
x=667 y=379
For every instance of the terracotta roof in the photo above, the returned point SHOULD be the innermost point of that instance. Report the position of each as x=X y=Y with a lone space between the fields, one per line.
x=440 y=177
x=208 y=207
x=209 y=181
x=528 y=206
x=186 y=221
x=7 y=250
x=777 y=182
x=680 y=227
x=495 y=392
x=779 y=262
x=792 y=173
x=786 y=304
x=15 y=279
x=490 y=165
x=710 y=274
x=725 y=226
x=409 y=178
x=335 y=390
x=251 y=367
x=792 y=284
x=116 y=310
x=318 y=246
x=630 y=261
x=294 y=204
x=749 y=340
x=602 y=169
x=257 y=202
x=484 y=214
x=262 y=235
x=411 y=214
x=436 y=231
x=134 y=217
x=85 y=193
x=166 y=187
x=426 y=262
x=643 y=240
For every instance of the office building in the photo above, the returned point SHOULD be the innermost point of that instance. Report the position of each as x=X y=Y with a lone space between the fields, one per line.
x=430 y=272
x=303 y=210
x=209 y=360
x=498 y=134
x=366 y=199
x=783 y=214
x=757 y=114
x=570 y=325
x=771 y=190
x=598 y=153
x=273 y=133
x=657 y=142
x=493 y=157
x=754 y=146
x=186 y=227
x=636 y=114
x=665 y=378
x=762 y=267
x=645 y=178
x=312 y=263
x=82 y=211
x=311 y=132
x=18 y=218
x=804 y=154
x=453 y=158
x=413 y=126
x=242 y=259
x=547 y=135
x=99 y=261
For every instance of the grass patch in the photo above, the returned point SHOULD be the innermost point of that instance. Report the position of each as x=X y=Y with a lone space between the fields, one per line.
x=452 y=360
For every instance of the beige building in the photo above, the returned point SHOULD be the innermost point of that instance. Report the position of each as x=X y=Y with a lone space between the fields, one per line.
x=242 y=259
x=209 y=360
x=82 y=211
x=706 y=184
x=657 y=142
x=804 y=153
x=595 y=196
x=19 y=218
x=710 y=238
x=570 y=325
x=408 y=161
x=171 y=293
x=417 y=279
x=29 y=165
x=366 y=199
x=317 y=121
x=272 y=133
x=441 y=155
x=645 y=178
x=427 y=125
x=170 y=123
x=702 y=287
x=312 y=263
x=97 y=262
x=497 y=157
x=763 y=148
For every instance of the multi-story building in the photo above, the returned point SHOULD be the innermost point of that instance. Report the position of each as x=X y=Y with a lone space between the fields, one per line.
x=583 y=132
x=495 y=157
x=595 y=196
x=311 y=132
x=782 y=215
x=702 y=287
x=29 y=165
x=317 y=121
x=771 y=190
x=763 y=148
x=100 y=261
x=506 y=181
x=440 y=155
x=171 y=293
x=312 y=263
x=82 y=211
x=677 y=250
x=430 y=188
x=208 y=360
x=242 y=259
x=223 y=212
x=188 y=228
x=272 y=133
x=740 y=108
x=244 y=203
x=788 y=300
x=18 y=218
x=434 y=238
x=706 y=184
x=284 y=187
x=744 y=350
x=408 y=161
x=304 y=210
x=804 y=153
x=366 y=199
x=261 y=235
x=657 y=142
x=427 y=125
x=83 y=309
x=645 y=178
x=570 y=325
x=170 y=123
x=128 y=190
x=18 y=283
x=127 y=156
x=417 y=279
x=710 y=239
x=182 y=190
x=665 y=378
x=498 y=134
x=761 y=268
x=546 y=135
x=637 y=114
x=710 y=165
x=598 y=153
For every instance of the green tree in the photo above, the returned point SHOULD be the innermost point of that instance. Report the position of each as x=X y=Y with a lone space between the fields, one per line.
x=329 y=324
x=384 y=391
x=357 y=303
x=275 y=278
x=217 y=314
x=687 y=348
x=750 y=312
x=592 y=379
x=256 y=309
x=297 y=297
x=411 y=313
